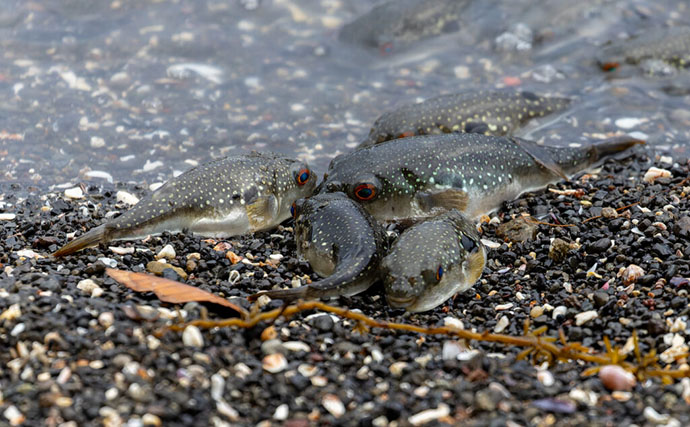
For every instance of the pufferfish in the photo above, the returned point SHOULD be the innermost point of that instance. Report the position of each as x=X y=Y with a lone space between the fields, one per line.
x=422 y=176
x=491 y=112
x=432 y=261
x=341 y=242
x=226 y=197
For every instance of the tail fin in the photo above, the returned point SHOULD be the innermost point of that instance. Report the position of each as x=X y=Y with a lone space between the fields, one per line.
x=90 y=238
x=615 y=145
x=283 y=294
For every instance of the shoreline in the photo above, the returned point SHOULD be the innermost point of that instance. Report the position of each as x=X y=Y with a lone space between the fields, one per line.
x=88 y=356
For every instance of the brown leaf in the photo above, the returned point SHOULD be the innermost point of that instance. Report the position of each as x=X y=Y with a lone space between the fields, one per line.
x=168 y=290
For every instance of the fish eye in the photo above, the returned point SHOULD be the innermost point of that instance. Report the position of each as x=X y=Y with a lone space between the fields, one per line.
x=365 y=191
x=468 y=244
x=303 y=176
x=609 y=66
x=293 y=209
x=439 y=273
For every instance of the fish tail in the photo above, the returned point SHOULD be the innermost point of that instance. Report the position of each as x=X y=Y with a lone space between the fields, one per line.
x=90 y=238
x=345 y=283
x=283 y=294
x=613 y=146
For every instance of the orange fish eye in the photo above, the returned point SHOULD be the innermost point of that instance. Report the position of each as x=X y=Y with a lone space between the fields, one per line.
x=303 y=176
x=609 y=66
x=365 y=191
x=439 y=273
x=293 y=209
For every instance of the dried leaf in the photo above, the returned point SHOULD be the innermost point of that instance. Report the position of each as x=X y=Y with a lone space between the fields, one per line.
x=168 y=290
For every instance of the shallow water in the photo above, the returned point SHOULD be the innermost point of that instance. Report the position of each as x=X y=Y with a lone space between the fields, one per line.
x=140 y=91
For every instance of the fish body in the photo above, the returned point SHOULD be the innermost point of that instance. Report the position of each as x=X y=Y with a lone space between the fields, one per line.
x=394 y=25
x=432 y=261
x=495 y=112
x=671 y=45
x=341 y=242
x=474 y=173
x=226 y=197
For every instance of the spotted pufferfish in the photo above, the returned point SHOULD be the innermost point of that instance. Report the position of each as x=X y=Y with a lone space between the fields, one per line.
x=226 y=197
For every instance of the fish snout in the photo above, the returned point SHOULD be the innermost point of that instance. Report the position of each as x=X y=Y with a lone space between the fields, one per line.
x=400 y=291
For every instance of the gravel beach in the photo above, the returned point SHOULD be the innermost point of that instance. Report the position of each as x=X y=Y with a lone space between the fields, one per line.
x=81 y=349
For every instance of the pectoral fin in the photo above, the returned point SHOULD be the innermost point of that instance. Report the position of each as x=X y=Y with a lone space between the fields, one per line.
x=451 y=198
x=261 y=213
x=541 y=156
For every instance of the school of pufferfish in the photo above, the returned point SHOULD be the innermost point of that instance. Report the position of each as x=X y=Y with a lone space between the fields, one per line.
x=439 y=164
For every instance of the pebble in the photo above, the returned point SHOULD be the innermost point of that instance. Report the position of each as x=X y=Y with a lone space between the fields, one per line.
x=97 y=142
x=157 y=267
x=74 y=193
x=168 y=252
x=584 y=317
x=89 y=287
x=126 y=198
x=629 y=122
x=614 y=377
x=11 y=313
x=191 y=337
x=99 y=174
x=274 y=363
x=655 y=173
x=7 y=216
x=501 y=307
x=453 y=322
x=106 y=319
x=429 y=415
x=14 y=416
x=333 y=405
x=502 y=323
x=281 y=413
x=631 y=273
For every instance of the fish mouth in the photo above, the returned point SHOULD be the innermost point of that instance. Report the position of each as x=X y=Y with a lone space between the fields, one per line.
x=400 y=301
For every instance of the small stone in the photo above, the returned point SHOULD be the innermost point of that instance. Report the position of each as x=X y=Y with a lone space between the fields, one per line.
x=97 y=142
x=106 y=319
x=517 y=230
x=502 y=323
x=654 y=417
x=585 y=316
x=228 y=411
x=157 y=267
x=11 y=313
x=614 y=377
x=334 y=405
x=462 y=72
x=397 y=368
x=631 y=273
x=559 y=249
x=536 y=311
x=126 y=198
x=600 y=298
x=546 y=378
x=501 y=307
x=14 y=416
x=168 y=252
x=74 y=193
x=151 y=420
x=121 y=251
x=87 y=286
x=281 y=413
x=191 y=337
x=609 y=213
x=429 y=415
x=274 y=363
x=453 y=322
x=111 y=393
x=7 y=216
x=629 y=122
x=599 y=246
x=655 y=173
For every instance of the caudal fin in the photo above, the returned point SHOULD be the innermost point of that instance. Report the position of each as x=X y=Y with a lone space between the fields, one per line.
x=90 y=238
x=283 y=294
x=613 y=146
